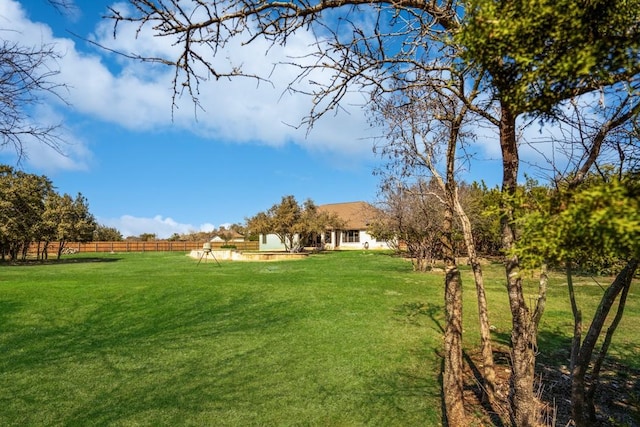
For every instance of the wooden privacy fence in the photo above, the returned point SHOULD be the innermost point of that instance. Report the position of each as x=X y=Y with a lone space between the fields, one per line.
x=134 y=246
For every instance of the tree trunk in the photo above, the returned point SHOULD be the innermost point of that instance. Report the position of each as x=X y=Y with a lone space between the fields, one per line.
x=597 y=366
x=577 y=319
x=488 y=368
x=523 y=333
x=25 y=250
x=523 y=348
x=61 y=244
x=452 y=381
x=579 y=408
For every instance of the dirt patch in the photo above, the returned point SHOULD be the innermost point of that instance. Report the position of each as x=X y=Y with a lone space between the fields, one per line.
x=617 y=398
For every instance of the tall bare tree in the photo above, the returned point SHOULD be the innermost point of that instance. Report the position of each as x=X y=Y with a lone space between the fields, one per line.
x=27 y=79
x=428 y=127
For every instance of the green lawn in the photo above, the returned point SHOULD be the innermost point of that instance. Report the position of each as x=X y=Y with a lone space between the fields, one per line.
x=338 y=339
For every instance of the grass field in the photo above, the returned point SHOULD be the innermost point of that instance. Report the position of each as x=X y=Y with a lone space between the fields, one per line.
x=338 y=339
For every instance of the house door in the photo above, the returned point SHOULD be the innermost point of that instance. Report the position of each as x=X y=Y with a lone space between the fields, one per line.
x=338 y=237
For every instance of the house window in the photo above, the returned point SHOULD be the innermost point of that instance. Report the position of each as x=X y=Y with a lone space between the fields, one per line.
x=327 y=237
x=264 y=239
x=314 y=240
x=351 y=236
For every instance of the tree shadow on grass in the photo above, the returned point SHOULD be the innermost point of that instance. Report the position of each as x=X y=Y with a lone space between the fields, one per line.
x=7 y=308
x=126 y=361
x=79 y=260
x=474 y=394
x=474 y=390
x=404 y=394
x=125 y=325
x=412 y=312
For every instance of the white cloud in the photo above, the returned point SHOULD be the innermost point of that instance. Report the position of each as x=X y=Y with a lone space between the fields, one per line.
x=137 y=96
x=160 y=226
x=242 y=110
x=206 y=227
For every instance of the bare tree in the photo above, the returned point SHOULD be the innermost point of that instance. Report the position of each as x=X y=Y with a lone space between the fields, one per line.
x=412 y=220
x=429 y=124
x=26 y=80
x=350 y=40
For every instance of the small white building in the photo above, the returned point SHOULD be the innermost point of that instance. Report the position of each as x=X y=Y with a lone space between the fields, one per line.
x=356 y=216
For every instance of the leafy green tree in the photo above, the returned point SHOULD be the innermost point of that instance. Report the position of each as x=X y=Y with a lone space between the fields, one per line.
x=69 y=219
x=147 y=237
x=314 y=223
x=538 y=57
x=104 y=233
x=32 y=212
x=595 y=226
x=291 y=222
x=259 y=224
x=540 y=53
x=281 y=220
x=22 y=198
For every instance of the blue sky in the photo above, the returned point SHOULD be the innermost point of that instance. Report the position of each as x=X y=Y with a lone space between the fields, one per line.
x=144 y=172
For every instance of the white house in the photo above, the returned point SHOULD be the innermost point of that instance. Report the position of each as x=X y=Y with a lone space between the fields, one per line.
x=356 y=216
x=234 y=237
